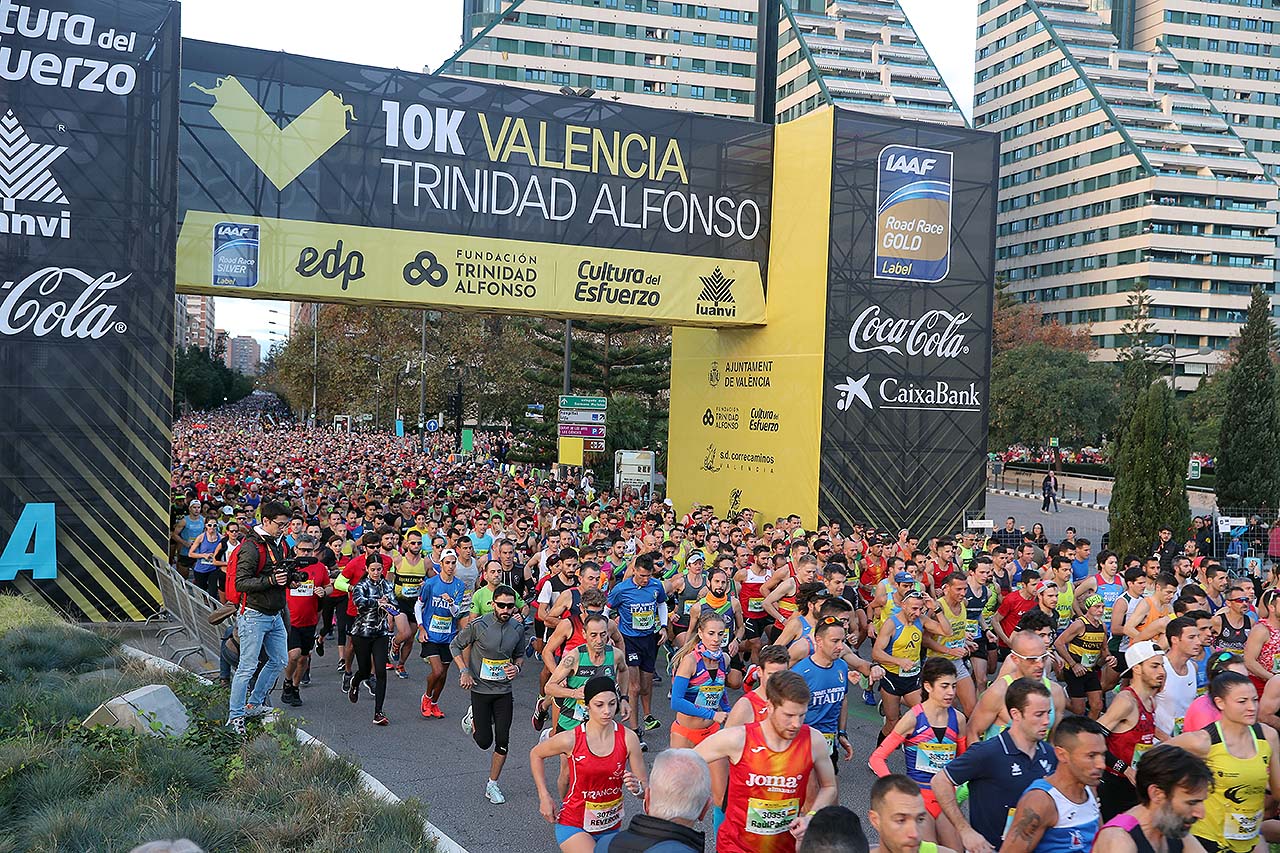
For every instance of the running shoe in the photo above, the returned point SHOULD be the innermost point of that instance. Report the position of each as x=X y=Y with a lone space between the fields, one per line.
x=236 y=724
x=657 y=679
x=468 y=724
x=346 y=682
x=391 y=664
x=651 y=722
x=493 y=794
x=342 y=665
x=368 y=684
x=426 y=707
x=353 y=692
x=400 y=673
x=320 y=647
x=752 y=677
x=644 y=747
x=380 y=719
x=540 y=714
x=306 y=678
x=868 y=697
x=437 y=711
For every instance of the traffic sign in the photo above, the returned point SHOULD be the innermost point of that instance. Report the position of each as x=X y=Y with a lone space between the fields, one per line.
x=1053 y=442
x=593 y=445
x=570 y=401
x=581 y=416
x=433 y=425
x=1193 y=470
x=581 y=431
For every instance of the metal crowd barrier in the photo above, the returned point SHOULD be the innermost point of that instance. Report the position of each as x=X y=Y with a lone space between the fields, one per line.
x=189 y=607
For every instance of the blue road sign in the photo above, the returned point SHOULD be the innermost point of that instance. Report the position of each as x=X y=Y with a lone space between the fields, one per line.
x=433 y=425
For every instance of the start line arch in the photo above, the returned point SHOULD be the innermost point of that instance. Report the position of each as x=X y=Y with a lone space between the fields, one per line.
x=857 y=388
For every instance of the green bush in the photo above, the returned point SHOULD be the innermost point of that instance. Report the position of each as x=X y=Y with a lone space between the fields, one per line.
x=66 y=788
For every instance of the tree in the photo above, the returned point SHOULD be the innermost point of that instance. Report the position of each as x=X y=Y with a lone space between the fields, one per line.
x=1136 y=373
x=202 y=382
x=1151 y=470
x=1016 y=324
x=1038 y=391
x=1203 y=409
x=1248 y=461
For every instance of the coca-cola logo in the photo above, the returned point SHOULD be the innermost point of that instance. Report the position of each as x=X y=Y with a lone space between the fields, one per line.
x=64 y=300
x=934 y=333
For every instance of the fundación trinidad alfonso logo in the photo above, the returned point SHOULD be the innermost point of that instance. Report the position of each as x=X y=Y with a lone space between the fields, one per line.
x=716 y=297
x=281 y=153
x=25 y=177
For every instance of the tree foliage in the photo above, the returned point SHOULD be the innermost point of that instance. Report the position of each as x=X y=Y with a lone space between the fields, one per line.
x=1150 y=469
x=1039 y=391
x=203 y=381
x=1248 y=458
x=1203 y=409
x=1016 y=324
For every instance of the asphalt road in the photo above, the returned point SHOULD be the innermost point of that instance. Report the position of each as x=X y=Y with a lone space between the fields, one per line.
x=436 y=762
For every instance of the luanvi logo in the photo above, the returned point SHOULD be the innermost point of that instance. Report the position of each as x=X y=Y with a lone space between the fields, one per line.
x=25 y=177
x=716 y=298
x=281 y=153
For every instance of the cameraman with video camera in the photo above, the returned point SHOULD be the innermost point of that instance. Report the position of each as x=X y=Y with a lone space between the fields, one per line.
x=308 y=586
x=262 y=576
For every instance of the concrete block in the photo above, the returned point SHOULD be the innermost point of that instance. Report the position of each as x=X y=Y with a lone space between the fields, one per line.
x=152 y=710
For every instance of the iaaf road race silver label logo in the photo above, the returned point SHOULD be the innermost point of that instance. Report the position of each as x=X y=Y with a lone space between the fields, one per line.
x=25 y=178
x=60 y=300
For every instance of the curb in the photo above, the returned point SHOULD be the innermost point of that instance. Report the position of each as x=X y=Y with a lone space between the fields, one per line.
x=443 y=843
x=1068 y=501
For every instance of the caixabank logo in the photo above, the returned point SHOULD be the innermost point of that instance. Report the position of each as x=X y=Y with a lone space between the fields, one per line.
x=716 y=297
x=913 y=213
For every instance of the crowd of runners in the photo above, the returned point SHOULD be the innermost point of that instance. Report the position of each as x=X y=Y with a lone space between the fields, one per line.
x=1041 y=695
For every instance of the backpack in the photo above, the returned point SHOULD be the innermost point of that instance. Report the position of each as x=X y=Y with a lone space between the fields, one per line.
x=234 y=597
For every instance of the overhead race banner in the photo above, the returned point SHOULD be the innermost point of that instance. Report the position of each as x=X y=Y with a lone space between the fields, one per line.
x=88 y=166
x=908 y=323
x=313 y=180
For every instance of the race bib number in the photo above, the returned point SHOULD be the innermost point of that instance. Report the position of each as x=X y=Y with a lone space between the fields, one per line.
x=932 y=757
x=1177 y=726
x=831 y=740
x=955 y=646
x=755 y=605
x=771 y=817
x=910 y=671
x=440 y=624
x=1241 y=827
x=688 y=605
x=1275 y=664
x=709 y=696
x=972 y=629
x=303 y=590
x=1138 y=750
x=1088 y=659
x=1008 y=822
x=407 y=591
x=494 y=670
x=642 y=618
x=579 y=710
x=602 y=817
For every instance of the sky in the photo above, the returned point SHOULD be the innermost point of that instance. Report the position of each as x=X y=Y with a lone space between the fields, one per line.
x=418 y=34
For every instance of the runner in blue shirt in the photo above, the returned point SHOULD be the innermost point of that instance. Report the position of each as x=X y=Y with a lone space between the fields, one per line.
x=641 y=605
x=827 y=675
x=999 y=770
x=439 y=609
x=1059 y=813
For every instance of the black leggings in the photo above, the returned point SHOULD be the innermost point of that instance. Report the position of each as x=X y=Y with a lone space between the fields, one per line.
x=491 y=718
x=210 y=582
x=332 y=607
x=371 y=656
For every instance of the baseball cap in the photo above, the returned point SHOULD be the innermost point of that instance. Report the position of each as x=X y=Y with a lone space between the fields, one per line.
x=668 y=501
x=1140 y=653
x=903 y=577
x=194 y=503
x=226 y=510
x=696 y=556
x=1044 y=585
x=1091 y=600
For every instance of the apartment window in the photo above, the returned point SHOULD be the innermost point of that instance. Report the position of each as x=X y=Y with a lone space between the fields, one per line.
x=741 y=43
x=722 y=42
x=722 y=68
x=675 y=36
x=673 y=62
x=698 y=64
x=700 y=12
x=535 y=48
x=603 y=55
x=535 y=75
x=586 y=54
x=604 y=83
x=536 y=20
x=586 y=26
x=677 y=9
x=607 y=28
x=651 y=7
x=560 y=78
x=699 y=39
x=729 y=16
x=697 y=91
x=631 y=31
x=563 y=24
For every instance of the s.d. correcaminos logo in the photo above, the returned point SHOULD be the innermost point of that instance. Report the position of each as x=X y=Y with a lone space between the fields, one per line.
x=282 y=153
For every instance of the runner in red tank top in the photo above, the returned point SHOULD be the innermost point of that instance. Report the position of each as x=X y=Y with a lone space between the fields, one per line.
x=1131 y=724
x=598 y=753
x=770 y=765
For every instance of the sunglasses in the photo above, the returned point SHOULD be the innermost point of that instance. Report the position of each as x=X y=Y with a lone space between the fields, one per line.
x=915 y=593
x=1044 y=656
x=504 y=605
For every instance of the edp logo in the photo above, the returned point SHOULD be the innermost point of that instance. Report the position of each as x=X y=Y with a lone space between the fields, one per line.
x=33 y=545
x=332 y=264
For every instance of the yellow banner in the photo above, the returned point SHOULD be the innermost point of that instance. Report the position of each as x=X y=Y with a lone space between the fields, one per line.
x=746 y=404
x=319 y=262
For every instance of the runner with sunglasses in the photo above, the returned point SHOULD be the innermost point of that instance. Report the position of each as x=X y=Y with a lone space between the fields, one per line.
x=899 y=648
x=1030 y=655
x=440 y=610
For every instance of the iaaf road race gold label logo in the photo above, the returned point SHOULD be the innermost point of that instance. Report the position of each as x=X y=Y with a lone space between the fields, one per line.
x=913 y=213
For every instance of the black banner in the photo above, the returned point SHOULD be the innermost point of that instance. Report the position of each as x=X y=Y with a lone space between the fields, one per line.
x=908 y=337
x=88 y=194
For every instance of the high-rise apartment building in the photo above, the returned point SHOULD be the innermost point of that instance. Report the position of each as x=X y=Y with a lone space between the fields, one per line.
x=858 y=54
x=222 y=343
x=1232 y=50
x=651 y=53
x=1118 y=172
x=181 y=322
x=302 y=315
x=244 y=354
x=201 y=326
